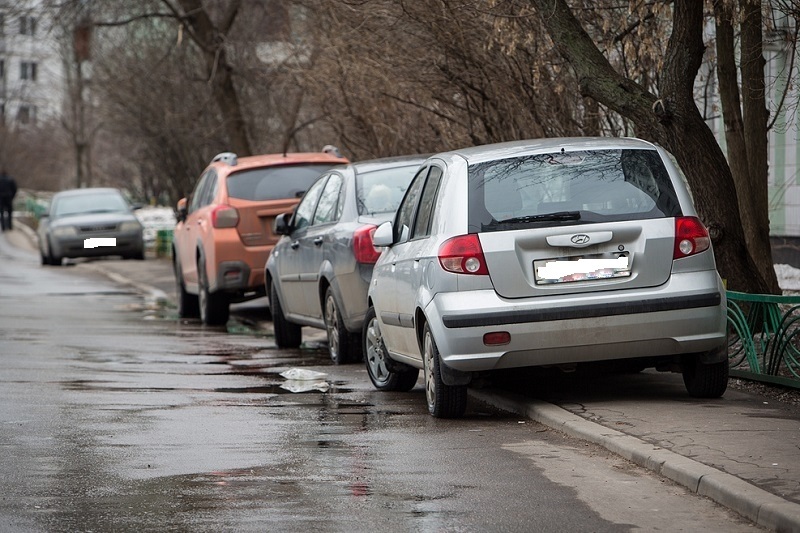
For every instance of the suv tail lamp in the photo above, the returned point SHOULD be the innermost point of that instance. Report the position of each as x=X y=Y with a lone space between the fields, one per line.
x=224 y=216
x=691 y=237
x=463 y=255
x=363 y=249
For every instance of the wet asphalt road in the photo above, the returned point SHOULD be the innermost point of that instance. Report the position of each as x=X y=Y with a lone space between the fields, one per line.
x=115 y=416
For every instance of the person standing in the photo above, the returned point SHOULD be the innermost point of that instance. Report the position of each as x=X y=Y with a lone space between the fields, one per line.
x=8 y=190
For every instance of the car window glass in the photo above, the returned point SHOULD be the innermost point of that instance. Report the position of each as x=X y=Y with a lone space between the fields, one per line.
x=275 y=182
x=405 y=213
x=98 y=202
x=305 y=209
x=380 y=191
x=328 y=200
x=198 y=192
x=422 y=226
x=210 y=190
x=559 y=188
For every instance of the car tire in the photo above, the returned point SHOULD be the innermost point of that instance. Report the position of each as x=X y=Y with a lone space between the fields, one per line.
x=188 y=305
x=704 y=380
x=214 y=306
x=340 y=344
x=385 y=373
x=45 y=258
x=444 y=401
x=54 y=260
x=287 y=334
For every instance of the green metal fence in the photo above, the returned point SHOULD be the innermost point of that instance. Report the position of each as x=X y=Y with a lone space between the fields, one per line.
x=764 y=337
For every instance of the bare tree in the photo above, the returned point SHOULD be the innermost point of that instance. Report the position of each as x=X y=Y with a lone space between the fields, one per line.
x=671 y=119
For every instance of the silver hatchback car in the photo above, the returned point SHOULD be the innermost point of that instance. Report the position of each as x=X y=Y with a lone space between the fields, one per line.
x=550 y=252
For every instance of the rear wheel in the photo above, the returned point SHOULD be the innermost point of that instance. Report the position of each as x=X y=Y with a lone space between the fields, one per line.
x=188 y=306
x=704 y=380
x=339 y=339
x=214 y=306
x=444 y=401
x=384 y=373
x=287 y=335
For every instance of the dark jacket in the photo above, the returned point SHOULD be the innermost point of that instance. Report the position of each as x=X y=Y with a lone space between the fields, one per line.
x=8 y=187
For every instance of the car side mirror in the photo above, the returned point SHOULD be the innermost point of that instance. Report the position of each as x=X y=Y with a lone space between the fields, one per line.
x=282 y=224
x=181 y=210
x=383 y=236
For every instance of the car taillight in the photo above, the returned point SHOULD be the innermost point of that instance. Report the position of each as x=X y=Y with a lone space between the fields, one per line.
x=691 y=237
x=463 y=255
x=363 y=249
x=224 y=216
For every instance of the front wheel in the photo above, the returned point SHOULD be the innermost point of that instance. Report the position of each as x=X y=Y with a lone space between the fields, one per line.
x=444 y=401
x=287 y=335
x=214 y=306
x=385 y=374
x=188 y=306
x=704 y=380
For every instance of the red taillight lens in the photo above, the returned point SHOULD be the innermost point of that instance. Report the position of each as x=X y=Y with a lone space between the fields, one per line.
x=363 y=249
x=224 y=216
x=463 y=255
x=691 y=237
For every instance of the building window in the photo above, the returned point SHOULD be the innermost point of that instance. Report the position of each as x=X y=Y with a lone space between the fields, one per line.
x=27 y=25
x=26 y=114
x=27 y=70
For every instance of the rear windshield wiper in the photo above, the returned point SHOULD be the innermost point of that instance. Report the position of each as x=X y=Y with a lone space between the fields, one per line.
x=560 y=215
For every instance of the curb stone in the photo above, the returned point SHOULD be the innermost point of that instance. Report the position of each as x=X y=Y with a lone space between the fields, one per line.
x=757 y=505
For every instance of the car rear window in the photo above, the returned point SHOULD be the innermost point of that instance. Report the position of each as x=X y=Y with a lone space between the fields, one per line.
x=380 y=191
x=569 y=188
x=274 y=183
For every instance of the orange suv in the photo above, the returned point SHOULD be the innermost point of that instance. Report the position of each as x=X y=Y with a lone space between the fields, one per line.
x=224 y=231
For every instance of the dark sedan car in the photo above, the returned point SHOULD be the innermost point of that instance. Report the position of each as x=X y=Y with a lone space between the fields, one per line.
x=319 y=272
x=89 y=223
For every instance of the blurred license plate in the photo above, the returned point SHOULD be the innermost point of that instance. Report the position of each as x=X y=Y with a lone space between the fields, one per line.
x=582 y=268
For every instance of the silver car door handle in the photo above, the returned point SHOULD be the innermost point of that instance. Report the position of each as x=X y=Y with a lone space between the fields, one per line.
x=295 y=245
x=318 y=241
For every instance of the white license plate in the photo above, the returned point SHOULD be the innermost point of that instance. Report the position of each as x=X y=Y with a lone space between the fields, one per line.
x=582 y=268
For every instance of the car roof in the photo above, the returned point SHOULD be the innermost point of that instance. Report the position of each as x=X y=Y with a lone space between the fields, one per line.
x=398 y=161
x=268 y=160
x=489 y=152
x=89 y=190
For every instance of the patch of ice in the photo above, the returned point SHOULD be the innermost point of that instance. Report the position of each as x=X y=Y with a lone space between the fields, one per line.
x=788 y=277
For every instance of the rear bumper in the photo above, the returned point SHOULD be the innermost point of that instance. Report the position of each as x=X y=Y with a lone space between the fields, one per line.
x=686 y=315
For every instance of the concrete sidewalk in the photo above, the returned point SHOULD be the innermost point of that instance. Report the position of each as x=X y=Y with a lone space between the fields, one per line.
x=742 y=451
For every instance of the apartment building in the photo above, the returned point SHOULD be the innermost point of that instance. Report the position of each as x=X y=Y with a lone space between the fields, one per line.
x=31 y=66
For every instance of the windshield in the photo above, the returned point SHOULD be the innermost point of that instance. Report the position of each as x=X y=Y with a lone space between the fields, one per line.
x=274 y=183
x=560 y=188
x=99 y=202
x=380 y=191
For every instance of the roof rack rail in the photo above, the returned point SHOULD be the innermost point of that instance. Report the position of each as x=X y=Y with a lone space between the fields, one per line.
x=226 y=157
x=332 y=150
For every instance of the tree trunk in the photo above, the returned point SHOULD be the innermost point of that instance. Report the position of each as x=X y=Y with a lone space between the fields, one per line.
x=752 y=185
x=210 y=39
x=672 y=121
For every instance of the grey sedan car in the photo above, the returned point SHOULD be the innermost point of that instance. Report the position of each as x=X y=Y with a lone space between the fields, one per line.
x=553 y=252
x=319 y=272
x=92 y=222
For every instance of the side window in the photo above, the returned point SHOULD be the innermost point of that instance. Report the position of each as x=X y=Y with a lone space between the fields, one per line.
x=197 y=193
x=328 y=201
x=305 y=209
x=405 y=213
x=422 y=226
x=210 y=190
